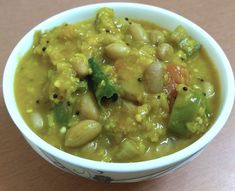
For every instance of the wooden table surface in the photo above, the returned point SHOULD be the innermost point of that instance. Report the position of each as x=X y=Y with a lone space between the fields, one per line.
x=22 y=169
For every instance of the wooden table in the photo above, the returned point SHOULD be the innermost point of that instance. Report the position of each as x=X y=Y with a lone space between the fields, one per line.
x=22 y=169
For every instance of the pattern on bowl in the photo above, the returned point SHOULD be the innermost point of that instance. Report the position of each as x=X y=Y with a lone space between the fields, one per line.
x=107 y=177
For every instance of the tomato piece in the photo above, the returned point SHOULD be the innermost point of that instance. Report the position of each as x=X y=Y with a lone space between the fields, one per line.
x=177 y=74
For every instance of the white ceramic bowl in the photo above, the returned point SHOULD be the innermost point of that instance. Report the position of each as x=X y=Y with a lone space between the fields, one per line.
x=122 y=172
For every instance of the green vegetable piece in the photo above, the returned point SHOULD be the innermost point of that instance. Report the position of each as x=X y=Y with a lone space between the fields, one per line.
x=189 y=46
x=62 y=114
x=182 y=39
x=189 y=106
x=102 y=86
x=178 y=34
x=129 y=149
x=104 y=20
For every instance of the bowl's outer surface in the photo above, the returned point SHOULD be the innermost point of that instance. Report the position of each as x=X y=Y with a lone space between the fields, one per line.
x=105 y=176
x=121 y=172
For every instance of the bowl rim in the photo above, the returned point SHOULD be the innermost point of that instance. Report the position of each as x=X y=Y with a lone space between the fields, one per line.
x=133 y=166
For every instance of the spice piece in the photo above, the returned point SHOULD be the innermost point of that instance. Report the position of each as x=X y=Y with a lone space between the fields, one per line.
x=139 y=79
x=201 y=80
x=185 y=88
x=55 y=96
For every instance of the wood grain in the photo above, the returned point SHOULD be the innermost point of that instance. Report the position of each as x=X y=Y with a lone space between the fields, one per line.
x=23 y=170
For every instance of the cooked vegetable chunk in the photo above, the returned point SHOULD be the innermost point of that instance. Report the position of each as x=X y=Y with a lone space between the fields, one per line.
x=184 y=41
x=62 y=114
x=188 y=113
x=104 y=20
x=129 y=149
x=178 y=34
x=189 y=46
x=133 y=90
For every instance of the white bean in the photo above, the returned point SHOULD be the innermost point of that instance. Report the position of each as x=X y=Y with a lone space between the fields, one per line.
x=153 y=78
x=80 y=65
x=138 y=33
x=116 y=50
x=88 y=107
x=82 y=133
x=165 y=51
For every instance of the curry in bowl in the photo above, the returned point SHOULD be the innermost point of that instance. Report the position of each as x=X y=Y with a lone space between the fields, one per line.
x=117 y=89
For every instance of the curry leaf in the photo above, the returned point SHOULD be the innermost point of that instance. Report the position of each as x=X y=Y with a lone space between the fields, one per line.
x=102 y=86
